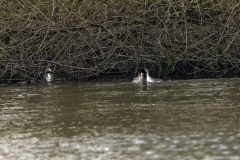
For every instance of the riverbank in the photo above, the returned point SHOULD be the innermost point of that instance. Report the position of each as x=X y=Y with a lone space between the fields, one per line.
x=82 y=40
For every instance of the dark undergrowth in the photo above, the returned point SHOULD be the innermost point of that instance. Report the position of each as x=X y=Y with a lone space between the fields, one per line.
x=92 y=39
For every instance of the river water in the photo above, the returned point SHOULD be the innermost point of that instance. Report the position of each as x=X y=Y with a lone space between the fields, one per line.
x=181 y=119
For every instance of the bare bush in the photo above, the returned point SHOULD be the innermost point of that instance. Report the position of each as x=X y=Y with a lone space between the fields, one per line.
x=86 y=38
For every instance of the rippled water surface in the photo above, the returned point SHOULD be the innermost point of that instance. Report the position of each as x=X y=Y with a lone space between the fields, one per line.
x=192 y=119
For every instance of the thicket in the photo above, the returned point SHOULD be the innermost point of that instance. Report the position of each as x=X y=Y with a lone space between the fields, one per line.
x=97 y=38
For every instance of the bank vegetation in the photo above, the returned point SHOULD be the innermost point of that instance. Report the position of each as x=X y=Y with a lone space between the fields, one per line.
x=83 y=39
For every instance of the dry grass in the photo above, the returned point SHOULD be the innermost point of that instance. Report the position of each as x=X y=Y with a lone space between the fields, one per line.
x=87 y=38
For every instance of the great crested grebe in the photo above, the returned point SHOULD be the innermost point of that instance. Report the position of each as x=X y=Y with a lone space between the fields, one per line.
x=150 y=79
x=141 y=78
x=49 y=74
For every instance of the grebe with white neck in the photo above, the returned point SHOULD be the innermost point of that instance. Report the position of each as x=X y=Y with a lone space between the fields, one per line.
x=150 y=79
x=141 y=78
x=49 y=74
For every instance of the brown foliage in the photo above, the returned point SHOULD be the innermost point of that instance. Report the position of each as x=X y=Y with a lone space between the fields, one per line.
x=85 y=38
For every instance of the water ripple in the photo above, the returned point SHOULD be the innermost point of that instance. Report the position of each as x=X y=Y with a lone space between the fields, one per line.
x=188 y=119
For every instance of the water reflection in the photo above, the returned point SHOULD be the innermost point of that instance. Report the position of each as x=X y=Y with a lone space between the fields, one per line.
x=194 y=119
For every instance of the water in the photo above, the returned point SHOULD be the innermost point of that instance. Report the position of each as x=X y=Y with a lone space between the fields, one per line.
x=192 y=119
